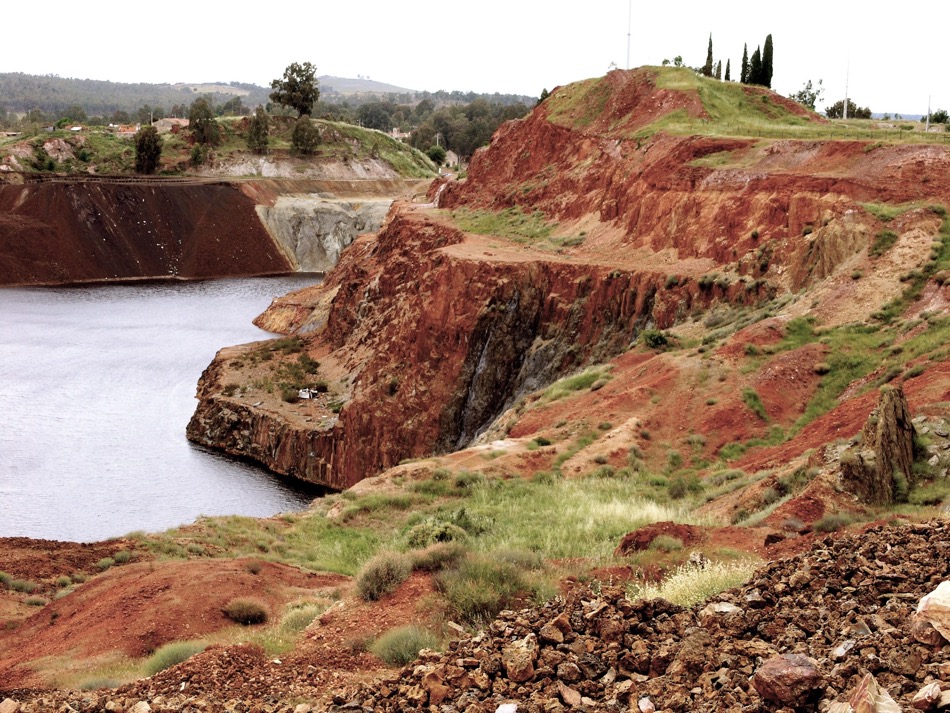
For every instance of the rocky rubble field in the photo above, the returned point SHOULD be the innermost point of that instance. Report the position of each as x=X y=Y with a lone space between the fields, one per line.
x=806 y=633
x=801 y=635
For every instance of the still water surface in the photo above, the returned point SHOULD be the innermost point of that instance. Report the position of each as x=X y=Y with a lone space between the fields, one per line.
x=96 y=387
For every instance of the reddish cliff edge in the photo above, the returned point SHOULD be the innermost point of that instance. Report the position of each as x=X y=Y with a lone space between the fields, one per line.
x=426 y=334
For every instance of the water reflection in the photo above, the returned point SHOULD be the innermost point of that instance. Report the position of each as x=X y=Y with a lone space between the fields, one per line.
x=96 y=387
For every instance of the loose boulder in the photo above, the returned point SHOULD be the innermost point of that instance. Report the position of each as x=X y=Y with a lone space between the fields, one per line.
x=788 y=679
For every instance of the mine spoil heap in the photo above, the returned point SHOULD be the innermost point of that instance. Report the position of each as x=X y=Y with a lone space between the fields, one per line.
x=848 y=605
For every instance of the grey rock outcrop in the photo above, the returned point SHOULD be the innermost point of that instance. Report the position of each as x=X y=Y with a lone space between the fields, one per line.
x=315 y=229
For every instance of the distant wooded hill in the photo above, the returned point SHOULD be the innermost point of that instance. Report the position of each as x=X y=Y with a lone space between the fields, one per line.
x=58 y=96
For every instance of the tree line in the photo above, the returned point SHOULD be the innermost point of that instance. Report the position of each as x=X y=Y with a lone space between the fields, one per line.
x=461 y=128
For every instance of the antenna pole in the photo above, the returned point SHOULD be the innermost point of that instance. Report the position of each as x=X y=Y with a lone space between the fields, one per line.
x=846 y=76
x=629 y=23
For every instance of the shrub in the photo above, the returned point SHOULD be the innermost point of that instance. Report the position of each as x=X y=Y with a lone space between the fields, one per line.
x=522 y=559
x=654 y=338
x=666 y=543
x=63 y=581
x=480 y=588
x=832 y=522
x=439 y=556
x=171 y=655
x=381 y=575
x=122 y=556
x=36 y=601
x=105 y=563
x=693 y=583
x=400 y=646
x=299 y=618
x=542 y=441
x=431 y=531
x=22 y=585
x=245 y=611
x=770 y=495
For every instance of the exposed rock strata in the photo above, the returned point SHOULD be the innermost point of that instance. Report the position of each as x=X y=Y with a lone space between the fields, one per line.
x=433 y=342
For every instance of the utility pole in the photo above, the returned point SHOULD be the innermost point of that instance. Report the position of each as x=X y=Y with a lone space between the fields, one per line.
x=629 y=23
x=846 y=77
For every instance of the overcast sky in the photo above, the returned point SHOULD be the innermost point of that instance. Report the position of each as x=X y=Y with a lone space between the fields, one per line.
x=893 y=56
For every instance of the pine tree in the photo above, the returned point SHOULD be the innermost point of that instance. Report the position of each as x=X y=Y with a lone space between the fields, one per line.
x=755 y=67
x=744 y=76
x=767 y=63
x=257 y=131
x=708 y=67
x=727 y=71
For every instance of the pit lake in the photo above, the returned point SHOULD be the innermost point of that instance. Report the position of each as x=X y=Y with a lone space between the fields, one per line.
x=97 y=384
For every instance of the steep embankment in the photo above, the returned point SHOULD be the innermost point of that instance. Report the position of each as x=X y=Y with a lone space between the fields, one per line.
x=426 y=333
x=60 y=231
x=56 y=232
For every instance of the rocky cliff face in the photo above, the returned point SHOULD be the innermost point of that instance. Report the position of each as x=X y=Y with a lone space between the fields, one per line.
x=429 y=333
x=314 y=230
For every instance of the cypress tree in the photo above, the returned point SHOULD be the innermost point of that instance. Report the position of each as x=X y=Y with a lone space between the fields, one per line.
x=727 y=70
x=767 y=62
x=744 y=75
x=755 y=67
x=718 y=71
x=708 y=67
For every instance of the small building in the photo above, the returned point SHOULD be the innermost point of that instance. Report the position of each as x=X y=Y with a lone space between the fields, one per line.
x=170 y=125
x=399 y=135
x=451 y=159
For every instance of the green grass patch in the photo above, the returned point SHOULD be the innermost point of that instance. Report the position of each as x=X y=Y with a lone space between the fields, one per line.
x=883 y=242
x=585 y=379
x=753 y=401
x=512 y=223
x=171 y=655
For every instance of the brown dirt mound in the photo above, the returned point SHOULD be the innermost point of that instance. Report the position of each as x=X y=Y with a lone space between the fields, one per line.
x=639 y=540
x=135 y=609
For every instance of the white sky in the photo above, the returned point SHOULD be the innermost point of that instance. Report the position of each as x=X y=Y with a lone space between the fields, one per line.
x=895 y=52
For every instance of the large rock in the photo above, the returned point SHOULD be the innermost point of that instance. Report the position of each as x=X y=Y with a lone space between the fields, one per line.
x=789 y=679
x=934 y=609
x=518 y=659
x=882 y=467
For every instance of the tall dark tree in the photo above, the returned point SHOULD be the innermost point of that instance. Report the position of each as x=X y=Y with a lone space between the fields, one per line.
x=201 y=123
x=544 y=95
x=755 y=67
x=727 y=71
x=744 y=72
x=297 y=89
x=148 y=149
x=708 y=67
x=718 y=72
x=767 y=63
x=257 y=131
